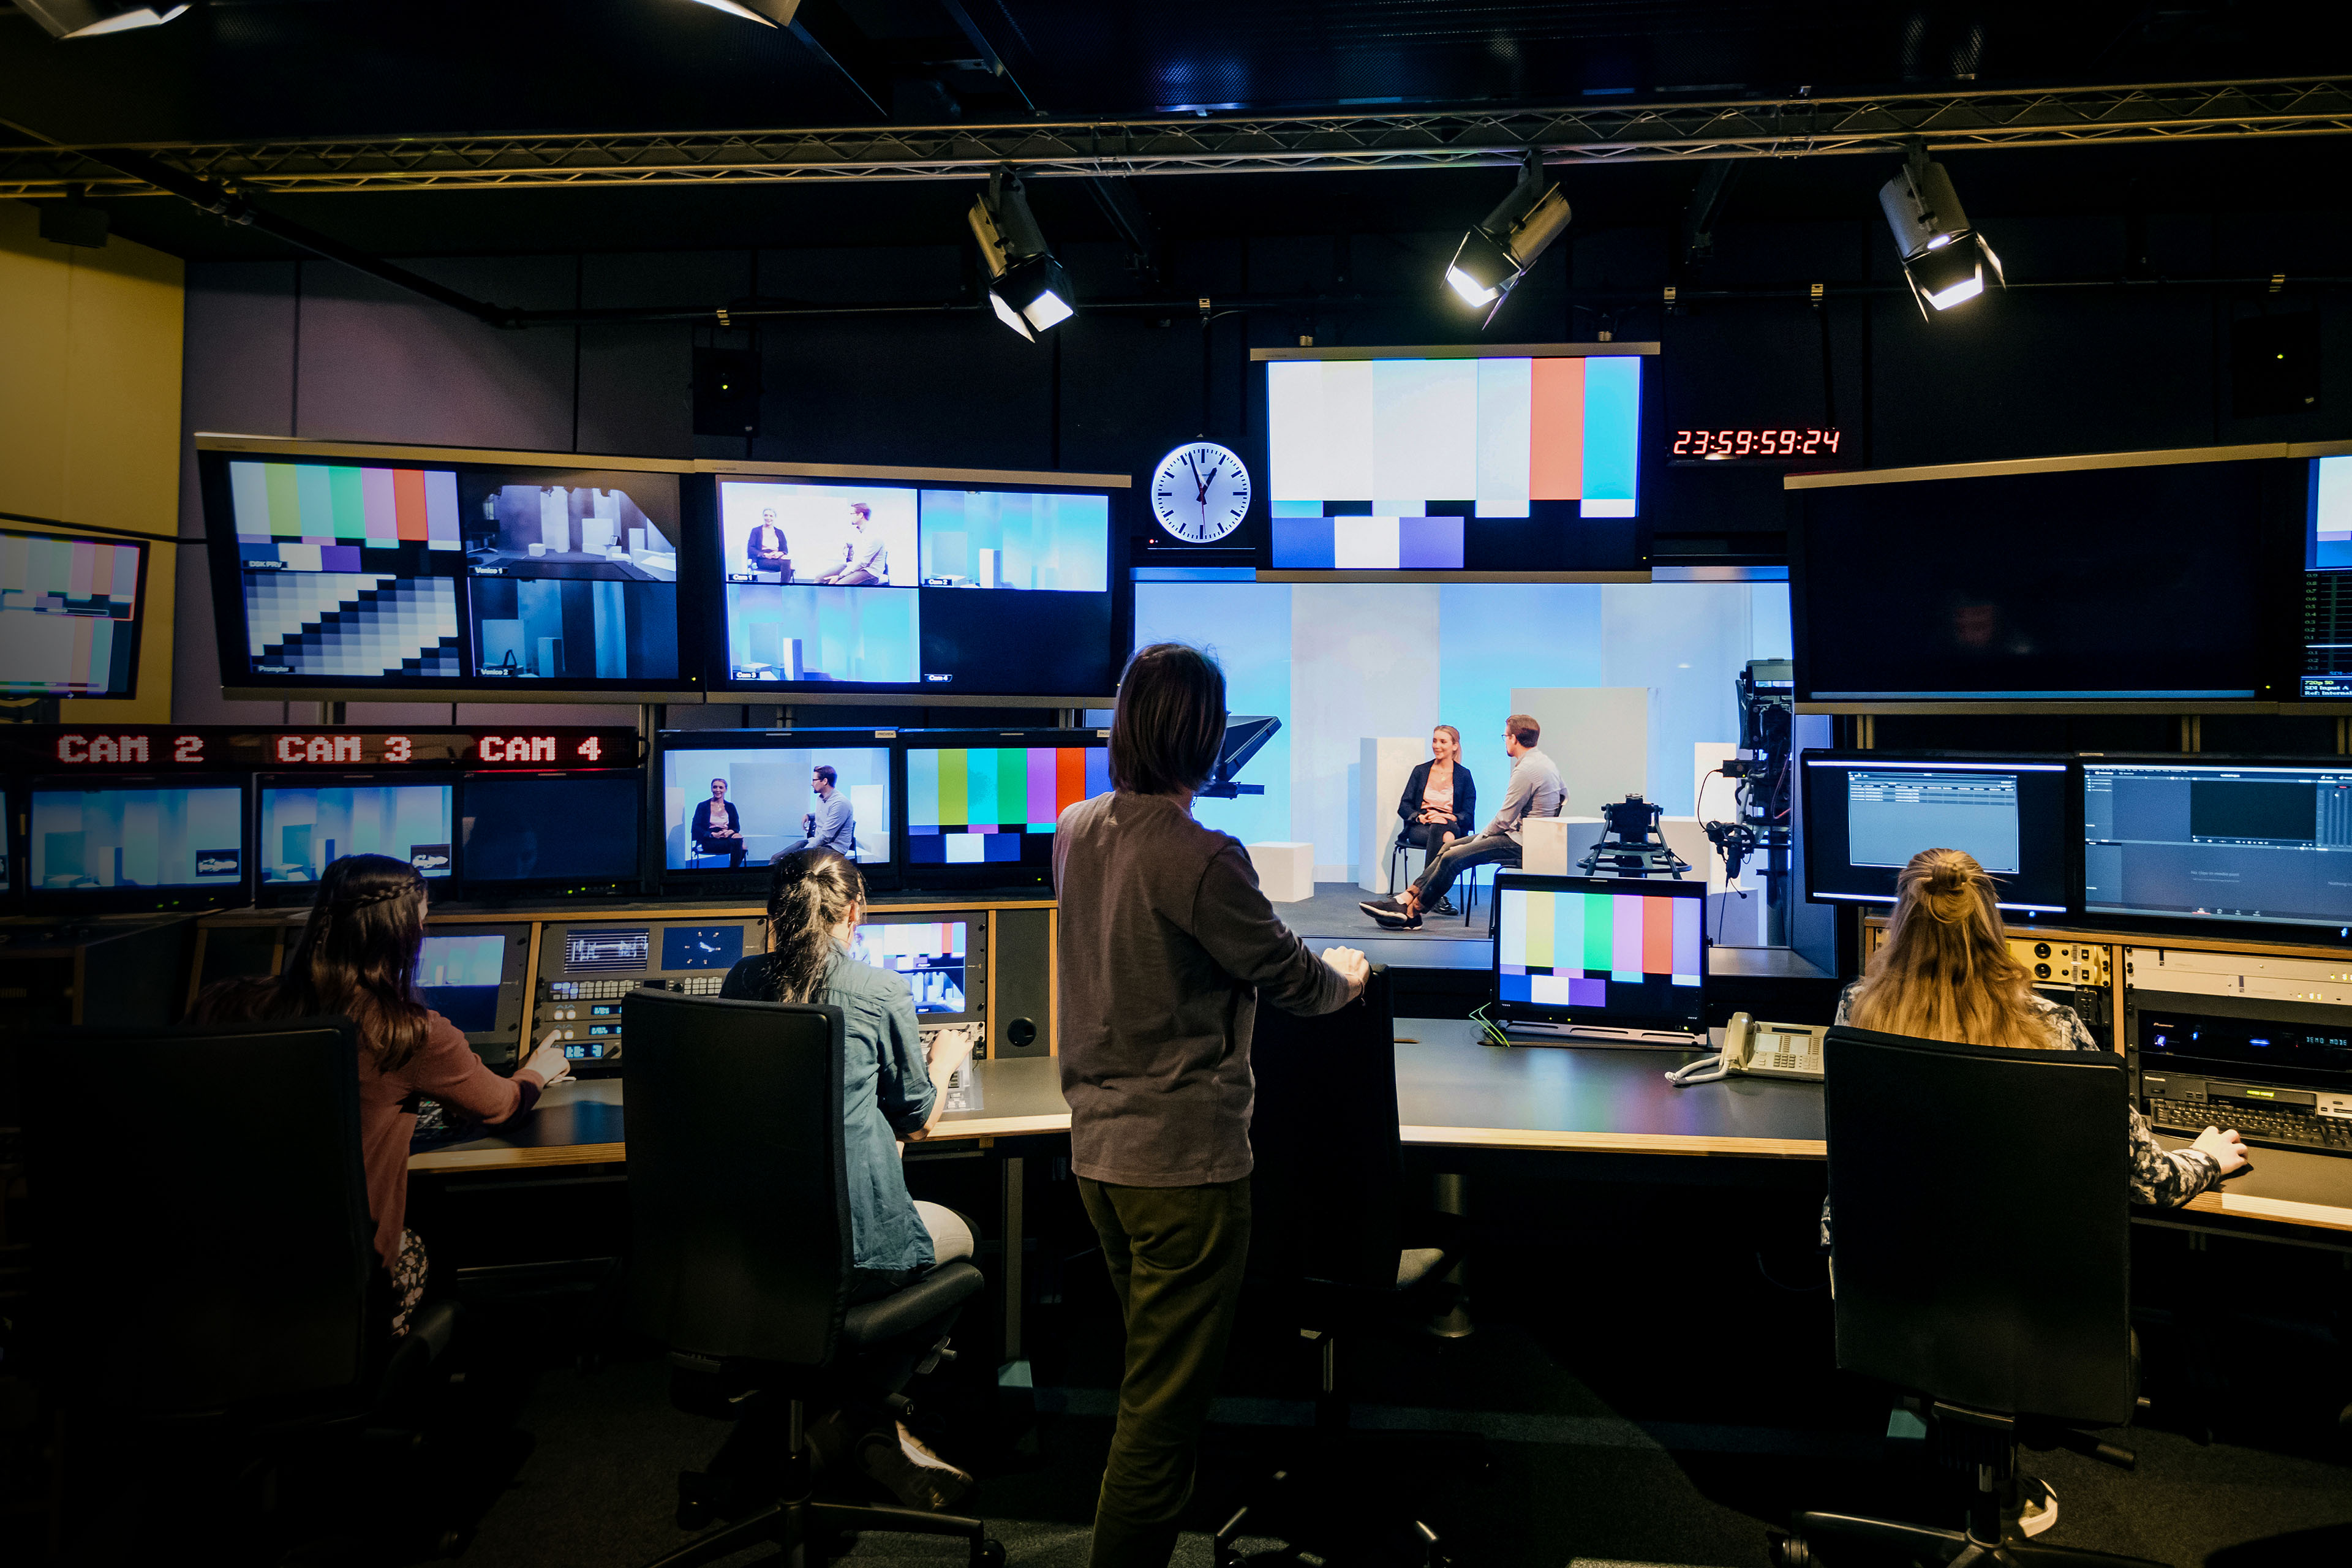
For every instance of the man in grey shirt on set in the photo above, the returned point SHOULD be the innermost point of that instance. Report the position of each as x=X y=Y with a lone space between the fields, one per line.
x=830 y=825
x=1535 y=789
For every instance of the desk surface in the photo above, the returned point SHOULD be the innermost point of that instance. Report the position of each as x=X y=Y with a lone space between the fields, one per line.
x=1453 y=1091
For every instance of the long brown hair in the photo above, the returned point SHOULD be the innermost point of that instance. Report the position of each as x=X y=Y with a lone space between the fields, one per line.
x=356 y=957
x=1945 y=972
x=810 y=893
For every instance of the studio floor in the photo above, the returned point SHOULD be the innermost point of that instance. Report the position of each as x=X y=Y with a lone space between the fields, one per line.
x=1639 y=1403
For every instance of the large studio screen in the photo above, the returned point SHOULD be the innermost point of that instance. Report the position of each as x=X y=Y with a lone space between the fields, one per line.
x=895 y=585
x=2218 y=842
x=724 y=808
x=1634 y=958
x=307 y=827
x=1865 y=818
x=1438 y=464
x=455 y=577
x=68 y=616
x=929 y=955
x=583 y=828
x=997 y=804
x=129 y=836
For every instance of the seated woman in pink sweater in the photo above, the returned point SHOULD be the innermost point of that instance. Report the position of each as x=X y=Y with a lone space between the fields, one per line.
x=357 y=957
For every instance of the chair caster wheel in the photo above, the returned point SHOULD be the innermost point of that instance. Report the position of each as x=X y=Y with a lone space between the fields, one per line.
x=693 y=1513
x=1791 y=1552
x=991 y=1553
x=450 y=1544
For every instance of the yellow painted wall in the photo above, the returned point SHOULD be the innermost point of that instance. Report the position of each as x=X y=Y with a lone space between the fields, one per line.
x=90 y=413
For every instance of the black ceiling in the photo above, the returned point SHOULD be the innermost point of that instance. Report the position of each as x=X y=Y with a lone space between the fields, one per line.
x=250 y=70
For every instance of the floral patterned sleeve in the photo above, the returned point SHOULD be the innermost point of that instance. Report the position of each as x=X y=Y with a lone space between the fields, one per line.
x=2159 y=1177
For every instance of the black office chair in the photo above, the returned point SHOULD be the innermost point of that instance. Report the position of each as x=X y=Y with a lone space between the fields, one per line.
x=740 y=1218
x=217 y=1295
x=1333 y=1247
x=1982 y=1256
x=1467 y=881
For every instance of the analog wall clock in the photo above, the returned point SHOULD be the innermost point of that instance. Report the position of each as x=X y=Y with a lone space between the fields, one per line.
x=1200 y=493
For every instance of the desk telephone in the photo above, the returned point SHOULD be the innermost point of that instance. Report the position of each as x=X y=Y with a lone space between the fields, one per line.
x=1764 y=1050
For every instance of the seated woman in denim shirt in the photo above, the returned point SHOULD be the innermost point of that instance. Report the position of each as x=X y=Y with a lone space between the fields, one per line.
x=890 y=1092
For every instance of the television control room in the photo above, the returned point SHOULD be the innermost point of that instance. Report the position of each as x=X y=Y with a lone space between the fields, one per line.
x=1348 y=787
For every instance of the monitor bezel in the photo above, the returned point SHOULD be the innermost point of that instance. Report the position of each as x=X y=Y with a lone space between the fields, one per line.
x=122 y=900
x=279 y=895
x=215 y=453
x=751 y=881
x=144 y=542
x=708 y=538
x=1568 y=1016
x=929 y=877
x=479 y=888
x=2071 y=825
x=2221 y=927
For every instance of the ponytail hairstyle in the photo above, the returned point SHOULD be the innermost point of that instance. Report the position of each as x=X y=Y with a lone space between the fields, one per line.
x=1945 y=972
x=356 y=957
x=811 y=892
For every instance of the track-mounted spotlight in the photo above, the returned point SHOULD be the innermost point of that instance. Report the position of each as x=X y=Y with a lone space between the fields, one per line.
x=1493 y=257
x=1026 y=285
x=95 y=18
x=1944 y=259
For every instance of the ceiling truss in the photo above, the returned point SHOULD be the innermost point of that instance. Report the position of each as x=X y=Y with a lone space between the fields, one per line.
x=1785 y=128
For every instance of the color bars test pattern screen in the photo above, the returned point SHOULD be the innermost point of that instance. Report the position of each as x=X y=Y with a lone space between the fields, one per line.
x=349 y=571
x=1567 y=949
x=968 y=807
x=68 y=611
x=1384 y=464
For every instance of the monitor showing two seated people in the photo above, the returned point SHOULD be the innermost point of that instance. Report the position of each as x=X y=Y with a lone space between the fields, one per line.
x=737 y=804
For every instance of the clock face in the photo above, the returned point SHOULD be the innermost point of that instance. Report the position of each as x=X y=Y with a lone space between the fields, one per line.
x=1200 y=493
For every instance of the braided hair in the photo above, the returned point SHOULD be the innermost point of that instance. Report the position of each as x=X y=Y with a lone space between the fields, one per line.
x=811 y=894
x=356 y=957
x=1945 y=971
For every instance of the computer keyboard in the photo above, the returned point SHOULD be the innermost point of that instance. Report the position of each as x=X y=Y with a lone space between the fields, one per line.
x=2280 y=1130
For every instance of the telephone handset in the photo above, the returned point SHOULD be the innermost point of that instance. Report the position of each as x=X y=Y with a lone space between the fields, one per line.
x=1764 y=1050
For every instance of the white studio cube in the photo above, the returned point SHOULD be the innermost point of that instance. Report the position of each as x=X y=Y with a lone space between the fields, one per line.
x=1556 y=846
x=1286 y=870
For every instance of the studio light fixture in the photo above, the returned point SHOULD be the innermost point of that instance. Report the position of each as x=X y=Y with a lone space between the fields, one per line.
x=1026 y=286
x=96 y=18
x=1944 y=259
x=1493 y=257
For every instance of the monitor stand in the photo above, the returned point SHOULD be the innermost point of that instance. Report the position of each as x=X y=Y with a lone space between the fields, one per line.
x=1599 y=1034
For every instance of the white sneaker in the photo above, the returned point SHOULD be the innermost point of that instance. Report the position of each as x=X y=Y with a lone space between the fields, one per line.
x=915 y=1476
x=2037 y=1505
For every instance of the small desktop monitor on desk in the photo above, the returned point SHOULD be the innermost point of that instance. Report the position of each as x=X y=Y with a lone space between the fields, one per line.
x=733 y=800
x=941 y=961
x=981 y=805
x=473 y=976
x=94 y=844
x=1609 y=960
x=1868 y=812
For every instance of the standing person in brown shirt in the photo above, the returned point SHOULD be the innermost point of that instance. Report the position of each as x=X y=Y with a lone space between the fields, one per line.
x=1166 y=947
x=357 y=957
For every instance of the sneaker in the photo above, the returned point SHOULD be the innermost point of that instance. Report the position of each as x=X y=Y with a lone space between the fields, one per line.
x=912 y=1473
x=1395 y=918
x=1376 y=908
x=2037 y=1505
x=1446 y=907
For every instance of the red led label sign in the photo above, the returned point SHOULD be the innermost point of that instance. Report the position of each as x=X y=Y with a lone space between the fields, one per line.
x=225 y=749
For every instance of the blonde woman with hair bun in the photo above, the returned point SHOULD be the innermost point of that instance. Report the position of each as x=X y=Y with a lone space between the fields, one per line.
x=1945 y=974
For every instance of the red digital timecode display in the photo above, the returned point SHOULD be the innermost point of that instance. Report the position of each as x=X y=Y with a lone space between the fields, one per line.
x=1717 y=446
x=227 y=748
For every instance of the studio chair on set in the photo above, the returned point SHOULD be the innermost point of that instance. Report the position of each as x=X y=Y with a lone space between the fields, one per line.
x=206 y=1296
x=1336 y=1254
x=1468 y=882
x=1981 y=1258
x=741 y=1253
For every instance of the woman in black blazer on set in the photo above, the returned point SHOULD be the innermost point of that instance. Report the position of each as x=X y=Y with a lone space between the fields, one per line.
x=1440 y=802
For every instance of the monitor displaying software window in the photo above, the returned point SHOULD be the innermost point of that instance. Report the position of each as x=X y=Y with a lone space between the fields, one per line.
x=1609 y=952
x=1867 y=815
x=2267 y=843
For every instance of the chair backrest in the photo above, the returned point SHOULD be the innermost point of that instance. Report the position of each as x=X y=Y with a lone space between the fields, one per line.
x=1980 y=1222
x=1325 y=1199
x=201 y=1233
x=739 y=1197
